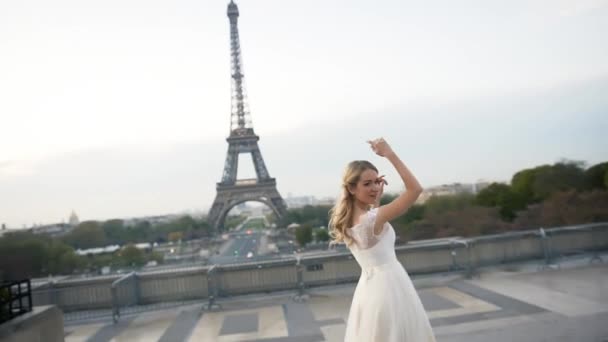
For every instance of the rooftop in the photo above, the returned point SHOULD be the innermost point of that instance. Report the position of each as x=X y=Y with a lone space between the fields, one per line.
x=517 y=302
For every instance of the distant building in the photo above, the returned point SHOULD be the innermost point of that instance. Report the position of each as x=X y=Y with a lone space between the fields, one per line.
x=326 y=201
x=302 y=201
x=299 y=201
x=53 y=230
x=73 y=221
x=97 y=251
x=451 y=189
x=153 y=220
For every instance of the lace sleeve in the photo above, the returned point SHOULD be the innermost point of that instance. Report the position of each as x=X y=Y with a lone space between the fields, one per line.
x=363 y=233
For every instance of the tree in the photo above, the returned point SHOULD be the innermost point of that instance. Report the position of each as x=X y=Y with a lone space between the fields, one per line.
x=25 y=255
x=414 y=213
x=115 y=231
x=321 y=235
x=440 y=204
x=503 y=197
x=565 y=208
x=157 y=256
x=87 y=234
x=597 y=176
x=185 y=223
x=203 y=228
x=304 y=235
x=132 y=256
x=562 y=176
x=522 y=183
x=387 y=198
x=174 y=236
x=537 y=184
x=468 y=221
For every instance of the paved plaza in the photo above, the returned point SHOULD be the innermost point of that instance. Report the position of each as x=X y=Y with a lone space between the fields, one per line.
x=514 y=303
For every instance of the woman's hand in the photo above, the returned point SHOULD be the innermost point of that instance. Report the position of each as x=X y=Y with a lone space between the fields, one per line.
x=380 y=182
x=380 y=147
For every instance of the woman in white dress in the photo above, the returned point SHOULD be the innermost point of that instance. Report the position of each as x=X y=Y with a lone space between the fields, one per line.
x=385 y=305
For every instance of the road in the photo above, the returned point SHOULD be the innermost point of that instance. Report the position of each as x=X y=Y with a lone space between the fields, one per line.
x=240 y=245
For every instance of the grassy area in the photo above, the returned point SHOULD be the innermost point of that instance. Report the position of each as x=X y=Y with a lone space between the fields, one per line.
x=233 y=221
x=257 y=223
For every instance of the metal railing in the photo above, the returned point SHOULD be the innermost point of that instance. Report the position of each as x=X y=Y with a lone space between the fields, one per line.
x=15 y=299
x=206 y=285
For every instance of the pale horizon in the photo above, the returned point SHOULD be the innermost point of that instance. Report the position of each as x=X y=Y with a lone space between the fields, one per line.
x=121 y=110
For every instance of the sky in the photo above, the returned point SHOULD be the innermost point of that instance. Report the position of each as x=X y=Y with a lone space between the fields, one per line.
x=120 y=109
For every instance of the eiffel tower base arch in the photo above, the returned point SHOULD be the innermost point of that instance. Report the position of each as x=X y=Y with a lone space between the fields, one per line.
x=229 y=196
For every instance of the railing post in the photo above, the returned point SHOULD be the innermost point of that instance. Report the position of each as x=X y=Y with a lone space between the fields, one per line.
x=136 y=289
x=470 y=266
x=301 y=296
x=115 y=304
x=595 y=256
x=469 y=271
x=212 y=290
x=547 y=253
x=116 y=295
x=454 y=254
x=54 y=294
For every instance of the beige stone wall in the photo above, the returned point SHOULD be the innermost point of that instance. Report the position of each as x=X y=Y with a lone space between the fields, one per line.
x=43 y=324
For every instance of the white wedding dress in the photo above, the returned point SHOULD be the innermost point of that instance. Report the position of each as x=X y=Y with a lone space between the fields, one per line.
x=385 y=306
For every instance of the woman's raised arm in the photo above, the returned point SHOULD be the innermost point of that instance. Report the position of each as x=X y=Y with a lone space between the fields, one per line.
x=406 y=199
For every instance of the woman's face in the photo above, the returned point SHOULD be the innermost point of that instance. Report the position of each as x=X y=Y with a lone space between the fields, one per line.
x=367 y=189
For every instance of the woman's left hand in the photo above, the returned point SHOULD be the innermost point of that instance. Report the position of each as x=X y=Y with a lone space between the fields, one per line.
x=382 y=183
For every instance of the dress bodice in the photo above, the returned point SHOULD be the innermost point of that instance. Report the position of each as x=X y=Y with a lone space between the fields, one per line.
x=371 y=250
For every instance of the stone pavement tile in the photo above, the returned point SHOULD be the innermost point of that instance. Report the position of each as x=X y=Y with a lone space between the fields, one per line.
x=147 y=327
x=543 y=297
x=329 y=307
x=555 y=328
x=300 y=320
x=271 y=325
x=491 y=324
x=334 y=333
x=434 y=302
x=182 y=326
x=585 y=282
x=108 y=332
x=505 y=302
x=81 y=333
x=309 y=338
x=466 y=304
x=332 y=321
x=240 y=324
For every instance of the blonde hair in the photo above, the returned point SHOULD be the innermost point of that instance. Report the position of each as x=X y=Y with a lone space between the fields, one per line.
x=341 y=215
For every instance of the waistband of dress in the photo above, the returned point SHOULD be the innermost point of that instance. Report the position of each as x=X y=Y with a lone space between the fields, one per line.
x=369 y=270
x=380 y=265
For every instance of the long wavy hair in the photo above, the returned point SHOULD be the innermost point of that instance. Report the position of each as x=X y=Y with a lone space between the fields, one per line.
x=341 y=215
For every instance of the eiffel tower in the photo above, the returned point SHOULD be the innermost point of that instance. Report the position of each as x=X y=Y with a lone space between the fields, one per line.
x=242 y=139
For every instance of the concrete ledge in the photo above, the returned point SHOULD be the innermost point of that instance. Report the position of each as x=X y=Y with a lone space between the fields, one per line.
x=44 y=323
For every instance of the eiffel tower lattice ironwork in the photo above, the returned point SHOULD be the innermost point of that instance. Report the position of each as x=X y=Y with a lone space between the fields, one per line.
x=242 y=139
